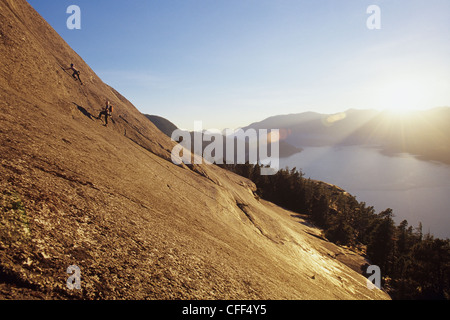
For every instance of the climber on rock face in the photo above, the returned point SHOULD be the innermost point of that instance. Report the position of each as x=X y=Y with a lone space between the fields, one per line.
x=76 y=73
x=107 y=112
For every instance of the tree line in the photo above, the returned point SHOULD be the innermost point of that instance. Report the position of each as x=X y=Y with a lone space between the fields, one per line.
x=414 y=265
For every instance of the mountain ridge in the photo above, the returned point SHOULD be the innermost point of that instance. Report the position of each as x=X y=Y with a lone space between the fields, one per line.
x=422 y=133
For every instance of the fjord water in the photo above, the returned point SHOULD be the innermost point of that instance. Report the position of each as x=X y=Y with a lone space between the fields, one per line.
x=416 y=190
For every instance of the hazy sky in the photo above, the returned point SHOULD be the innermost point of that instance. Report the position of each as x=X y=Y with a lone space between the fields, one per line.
x=233 y=62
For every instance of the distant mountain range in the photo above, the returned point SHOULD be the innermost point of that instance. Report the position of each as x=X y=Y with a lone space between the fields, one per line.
x=168 y=128
x=425 y=134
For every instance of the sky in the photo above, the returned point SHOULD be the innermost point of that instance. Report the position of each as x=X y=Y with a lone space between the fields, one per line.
x=229 y=63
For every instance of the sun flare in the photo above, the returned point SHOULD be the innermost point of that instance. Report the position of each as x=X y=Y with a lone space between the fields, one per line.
x=403 y=96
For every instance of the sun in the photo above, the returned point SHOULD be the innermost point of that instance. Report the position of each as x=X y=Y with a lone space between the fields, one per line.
x=402 y=96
